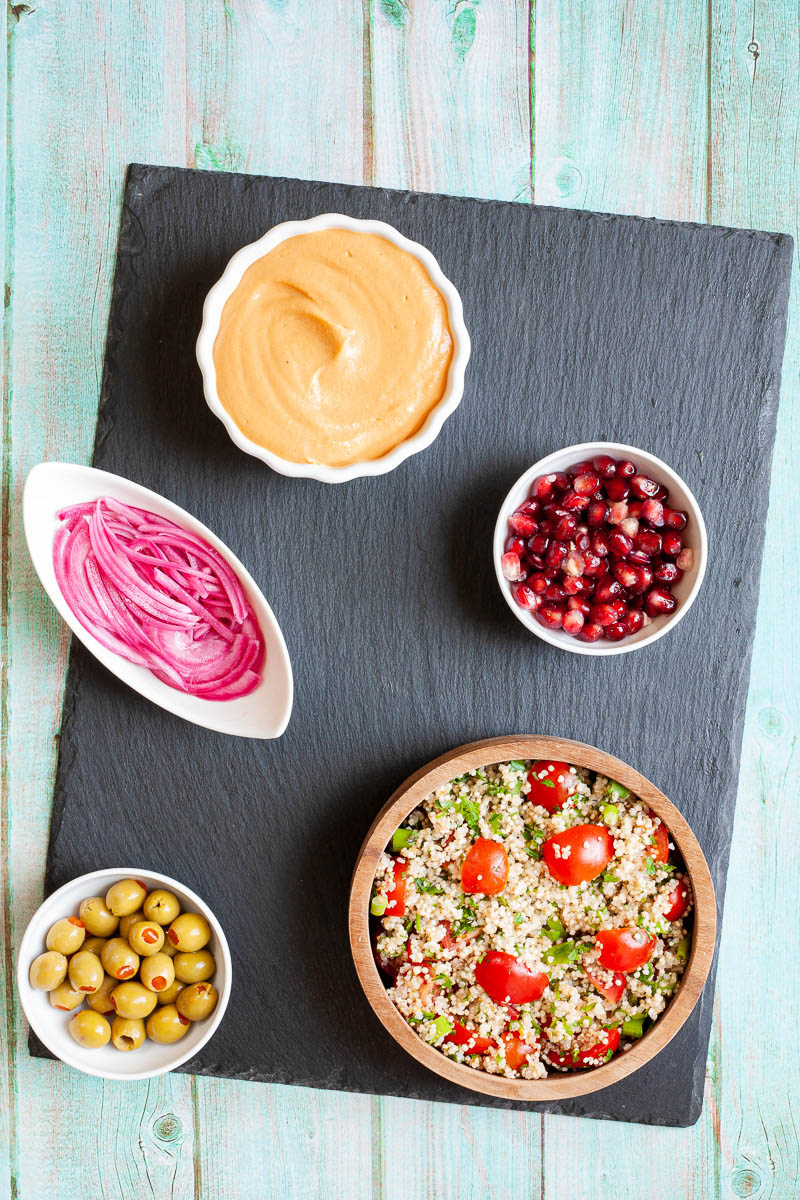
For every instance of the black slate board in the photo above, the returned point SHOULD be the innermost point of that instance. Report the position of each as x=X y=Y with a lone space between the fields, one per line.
x=663 y=335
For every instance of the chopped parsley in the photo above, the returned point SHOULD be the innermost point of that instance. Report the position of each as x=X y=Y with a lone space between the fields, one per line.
x=495 y=821
x=425 y=885
x=445 y=982
x=470 y=810
x=650 y=864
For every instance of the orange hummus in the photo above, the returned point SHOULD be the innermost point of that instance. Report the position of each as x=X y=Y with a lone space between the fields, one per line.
x=333 y=348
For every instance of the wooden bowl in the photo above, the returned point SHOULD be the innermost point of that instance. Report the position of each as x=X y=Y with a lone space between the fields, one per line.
x=557 y=1086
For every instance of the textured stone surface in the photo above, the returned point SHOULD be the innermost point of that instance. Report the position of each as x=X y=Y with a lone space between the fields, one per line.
x=663 y=335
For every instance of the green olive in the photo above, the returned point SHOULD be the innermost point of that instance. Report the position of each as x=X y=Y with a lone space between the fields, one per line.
x=126 y=924
x=161 y=906
x=66 y=935
x=166 y=1025
x=157 y=972
x=170 y=994
x=195 y=967
x=197 y=1001
x=125 y=897
x=90 y=1029
x=146 y=938
x=132 y=1001
x=119 y=960
x=95 y=944
x=100 y=1001
x=168 y=947
x=85 y=971
x=189 y=931
x=66 y=997
x=126 y=1033
x=97 y=918
x=48 y=971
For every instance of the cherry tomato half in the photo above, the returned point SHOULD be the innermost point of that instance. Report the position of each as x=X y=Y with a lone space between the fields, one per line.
x=678 y=901
x=461 y=1036
x=659 y=852
x=592 y=1056
x=507 y=980
x=396 y=896
x=612 y=988
x=552 y=783
x=578 y=854
x=624 y=949
x=517 y=1051
x=485 y=869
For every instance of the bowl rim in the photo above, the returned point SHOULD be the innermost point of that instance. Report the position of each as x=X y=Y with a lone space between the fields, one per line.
x=230 y=279
x=484 y=753
x=25 y=956
x=660 y=626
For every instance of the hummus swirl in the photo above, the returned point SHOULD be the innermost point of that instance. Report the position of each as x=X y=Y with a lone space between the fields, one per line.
x=333 y=348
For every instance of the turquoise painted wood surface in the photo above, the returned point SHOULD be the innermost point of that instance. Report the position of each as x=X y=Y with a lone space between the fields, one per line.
x=686 y=109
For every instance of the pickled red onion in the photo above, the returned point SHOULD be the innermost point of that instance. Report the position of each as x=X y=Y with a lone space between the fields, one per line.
x=160 y=597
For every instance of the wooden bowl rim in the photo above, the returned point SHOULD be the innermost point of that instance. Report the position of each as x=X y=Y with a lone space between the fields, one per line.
x=502 y=749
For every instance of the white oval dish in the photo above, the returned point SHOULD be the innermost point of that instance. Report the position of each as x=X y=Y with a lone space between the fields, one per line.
x=265 y=712
x=51 y=1026
x=694 y=535
x=212 y=312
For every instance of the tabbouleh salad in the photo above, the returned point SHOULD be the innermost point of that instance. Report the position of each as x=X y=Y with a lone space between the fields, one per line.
x=531 y=917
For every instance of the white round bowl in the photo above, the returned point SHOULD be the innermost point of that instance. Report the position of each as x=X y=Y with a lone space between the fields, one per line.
x=694 y=535
x=212 y=313
x=51 y=1025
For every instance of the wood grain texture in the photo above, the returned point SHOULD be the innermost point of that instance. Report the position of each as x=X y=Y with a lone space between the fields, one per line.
x=95 y=86
x=485 y=753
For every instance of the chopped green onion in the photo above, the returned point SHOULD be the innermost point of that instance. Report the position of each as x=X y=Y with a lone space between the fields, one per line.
x=609 y=814
x=417 y=924
x=425 y=885
x=429 y=1016
x=518 y=918
x=633 y=1027
x=442 y=1027
x=609 y=877
x=516 y=765
x=617 y=791
x=403 y=837
x=547 y=783
x=682 y=949
x=378 y=906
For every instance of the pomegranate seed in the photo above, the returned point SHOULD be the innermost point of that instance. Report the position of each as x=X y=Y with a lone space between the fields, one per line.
x=556 y=553
x=605 y=466
x=630 y=526
x=618 y=512
x=658 y=600
x=625 y=468
x=566 y=528
x=572 y=622
x=551 y=615
x=597 y=513
x=639 y=556
x=604 y=614
x=538 y=543
x=648 y=542
x=583 y=541
x=645 y=579
x=573 y=502
x=554 y=511
x=653 y=512
x=685 y=560
x=511 y=567
x=646 y=620
x=555 y=591
x=667 y=572
x=586 y=484
x=579 y=469
x=662 y=492
x=538 y=583
x=536 y=561
x=619 y=544
x=671 y=544
x=573 y=564
x=514 y=545
x=600 y=542
x=593 y=565
x=573 y=584
x=542 y=488
x=607 y=589
x=522 y=524
x=615 y=632
x=560 y=481
x=644 y=486
x=626 y=574
x=525 y=596
x=634 y=621
x=591 y=633
x=635 y=508
x=577 y=604
x=617 y=489
x=675 y=519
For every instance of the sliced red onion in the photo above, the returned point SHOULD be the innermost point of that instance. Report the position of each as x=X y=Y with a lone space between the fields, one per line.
x=160 y=597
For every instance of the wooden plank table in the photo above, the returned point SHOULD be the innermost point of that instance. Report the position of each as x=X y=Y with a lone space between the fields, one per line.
x=687 y=109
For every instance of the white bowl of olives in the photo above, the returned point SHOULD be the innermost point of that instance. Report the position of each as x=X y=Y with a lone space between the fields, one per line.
x=124 y=974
